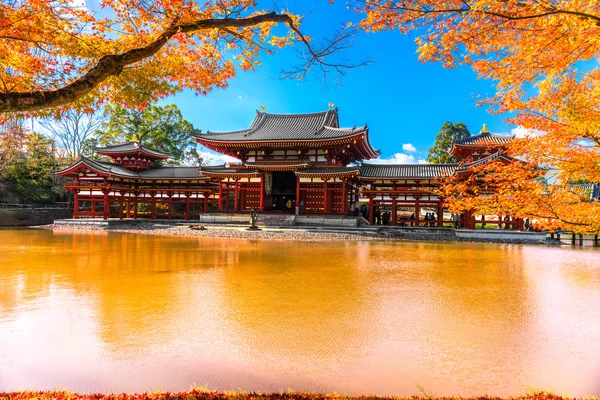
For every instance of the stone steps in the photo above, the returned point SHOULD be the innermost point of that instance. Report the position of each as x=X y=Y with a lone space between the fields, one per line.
x=275 y=220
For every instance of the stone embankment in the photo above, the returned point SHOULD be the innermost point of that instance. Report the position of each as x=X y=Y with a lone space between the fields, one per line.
x=288 y=233
x=32 y=216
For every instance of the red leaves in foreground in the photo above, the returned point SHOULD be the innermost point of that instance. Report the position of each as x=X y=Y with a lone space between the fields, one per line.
x=197 y=394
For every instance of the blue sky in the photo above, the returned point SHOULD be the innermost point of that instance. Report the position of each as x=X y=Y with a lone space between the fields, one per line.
x=403 y=101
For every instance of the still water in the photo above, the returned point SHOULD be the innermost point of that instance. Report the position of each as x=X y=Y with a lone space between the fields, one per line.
x=116 y=312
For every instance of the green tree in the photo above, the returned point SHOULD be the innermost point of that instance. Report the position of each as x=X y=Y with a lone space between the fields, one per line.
x=160 y=127
x=443 y=141
x=29 y=171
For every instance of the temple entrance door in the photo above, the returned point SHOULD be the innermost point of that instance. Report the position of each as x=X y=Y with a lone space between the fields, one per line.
x=284 y=190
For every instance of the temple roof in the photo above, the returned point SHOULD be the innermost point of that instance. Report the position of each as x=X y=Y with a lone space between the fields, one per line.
x=108 y=168
x=130 y=147
x=329 y=171
x=486 y=160
x=172 y=172
x=391 y=171
x=484 y=139
x=266 y=127
x=224 y=170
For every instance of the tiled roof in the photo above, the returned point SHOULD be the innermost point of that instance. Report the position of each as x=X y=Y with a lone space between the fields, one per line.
x=169 y=172
x=172 y=172
x=484 y=139
x=406 y=170
x=224 y=170
x=109 y=168
x=129 y=148
x=315 y=126
x=485 y=160
x=325 y=171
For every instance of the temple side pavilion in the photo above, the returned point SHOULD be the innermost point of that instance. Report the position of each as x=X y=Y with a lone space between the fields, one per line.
x=130 y=186
x=283 y=158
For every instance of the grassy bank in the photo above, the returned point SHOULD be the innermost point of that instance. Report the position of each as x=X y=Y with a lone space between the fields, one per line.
x=214 y=395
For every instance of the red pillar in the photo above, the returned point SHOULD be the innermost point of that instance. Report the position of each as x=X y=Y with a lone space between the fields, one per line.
x=205 y=204
x=235 y=196
x=440 y=221
x=106 y=205
x=220 y=195
x=153 y=210
x=128 y=207
x=76 y=204
x=345 y=197
x=93 y=207
x=170 y=211
x=394 y=210
x=325 y=196
x=187 y=206
x=417 y=210
x=135 y=207
x=121 y=208
x=262 y=192
x=371 y=210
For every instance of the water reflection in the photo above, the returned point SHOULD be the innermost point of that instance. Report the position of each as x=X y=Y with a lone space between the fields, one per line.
x=119 y=312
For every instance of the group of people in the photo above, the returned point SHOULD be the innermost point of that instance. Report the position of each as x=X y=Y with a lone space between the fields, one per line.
x=382 y=218
x=430 y=219
x=356 y=209
x=385 y=218
x=288 y=204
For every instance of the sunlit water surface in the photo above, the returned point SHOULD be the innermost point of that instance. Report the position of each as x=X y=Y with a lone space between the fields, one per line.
x=115 y=312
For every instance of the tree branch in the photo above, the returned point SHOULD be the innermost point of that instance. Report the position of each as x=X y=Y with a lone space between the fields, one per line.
x=113 y=64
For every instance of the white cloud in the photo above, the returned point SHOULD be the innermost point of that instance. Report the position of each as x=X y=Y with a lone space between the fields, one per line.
x=210 y=157
x=399 y=158
x=521 y=132
x=240 y=97
x=408 y=147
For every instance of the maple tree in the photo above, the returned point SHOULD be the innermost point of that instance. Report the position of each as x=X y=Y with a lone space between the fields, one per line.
x=541 y=55
x=57 y=54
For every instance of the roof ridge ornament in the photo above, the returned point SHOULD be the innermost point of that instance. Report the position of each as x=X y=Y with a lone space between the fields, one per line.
x=484 y=130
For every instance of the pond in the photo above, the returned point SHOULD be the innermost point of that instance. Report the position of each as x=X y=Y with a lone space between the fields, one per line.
x=113 y=312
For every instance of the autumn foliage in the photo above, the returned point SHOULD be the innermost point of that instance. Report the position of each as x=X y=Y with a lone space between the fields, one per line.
x=58 y=54
x=541 y=55
x=202 y=394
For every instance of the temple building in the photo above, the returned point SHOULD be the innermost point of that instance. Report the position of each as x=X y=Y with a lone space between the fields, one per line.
x=284 y=159
x=131 y=186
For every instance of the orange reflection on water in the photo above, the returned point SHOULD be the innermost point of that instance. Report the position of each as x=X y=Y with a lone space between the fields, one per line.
x=122 y=312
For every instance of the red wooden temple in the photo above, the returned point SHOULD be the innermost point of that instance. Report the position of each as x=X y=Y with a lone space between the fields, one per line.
x=130 y=186
x=283 y=158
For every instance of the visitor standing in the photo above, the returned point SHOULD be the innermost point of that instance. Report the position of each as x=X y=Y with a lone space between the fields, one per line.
x=356 y=207
x=297 y=207
x=301 y=207
x=289 y=205
x=378 y=217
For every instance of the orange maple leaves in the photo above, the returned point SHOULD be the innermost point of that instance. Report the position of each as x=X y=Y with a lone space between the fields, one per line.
x=541 y=56
x=130 y=51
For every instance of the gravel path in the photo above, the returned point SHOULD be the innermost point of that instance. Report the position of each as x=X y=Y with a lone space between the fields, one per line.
x=220 y=232
x=273 y=233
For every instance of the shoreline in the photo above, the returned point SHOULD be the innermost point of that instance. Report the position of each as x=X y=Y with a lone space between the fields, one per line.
x=282 y=233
